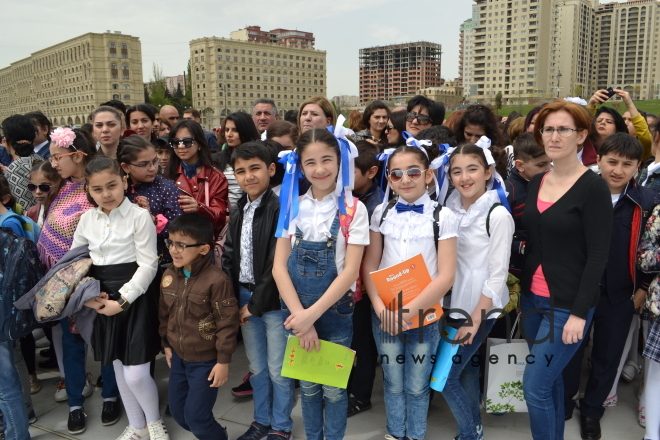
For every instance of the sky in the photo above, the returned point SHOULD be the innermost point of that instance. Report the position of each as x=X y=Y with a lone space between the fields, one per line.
x=165 y=28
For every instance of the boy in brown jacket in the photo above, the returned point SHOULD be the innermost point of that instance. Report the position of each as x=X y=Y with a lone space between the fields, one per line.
x=198 y=324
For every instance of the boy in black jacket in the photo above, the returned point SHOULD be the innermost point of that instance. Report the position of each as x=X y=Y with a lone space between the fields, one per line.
x=623 y=287
x=248 y=260
x=530 y=160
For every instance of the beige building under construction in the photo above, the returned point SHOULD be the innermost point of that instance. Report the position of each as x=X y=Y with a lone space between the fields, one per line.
x=70 y=79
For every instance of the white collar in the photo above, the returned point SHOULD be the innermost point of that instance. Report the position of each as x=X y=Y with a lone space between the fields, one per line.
x=123 y=208
x=423 y=200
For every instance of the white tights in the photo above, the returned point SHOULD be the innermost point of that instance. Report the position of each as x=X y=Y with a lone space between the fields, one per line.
x=57 y=346
x=629 y=352
x=652 y=394
x=138 y=392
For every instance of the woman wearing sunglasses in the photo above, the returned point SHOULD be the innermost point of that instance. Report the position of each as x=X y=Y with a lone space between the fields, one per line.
x=375 y=118
x=238 y=128
x=202 y=187
x=148 y=189
x=423 y=113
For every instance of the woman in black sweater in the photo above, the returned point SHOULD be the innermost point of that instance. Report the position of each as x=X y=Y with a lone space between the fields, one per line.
x=568 y=218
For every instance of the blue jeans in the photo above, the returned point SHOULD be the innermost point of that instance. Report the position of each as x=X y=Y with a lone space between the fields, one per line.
x=191 y=398
x=542 y=326
x=312 y=269
x=74 y=360
x=265 y=343
x=11 y=396
x=407 y=365
x=462 y=391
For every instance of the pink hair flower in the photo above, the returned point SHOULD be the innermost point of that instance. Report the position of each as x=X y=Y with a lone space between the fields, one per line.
x=63 y=137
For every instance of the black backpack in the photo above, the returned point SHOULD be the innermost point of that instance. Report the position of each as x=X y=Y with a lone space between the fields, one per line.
x=20 y=271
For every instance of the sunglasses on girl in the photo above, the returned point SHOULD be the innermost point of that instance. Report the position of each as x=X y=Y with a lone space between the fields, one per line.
x=182 y=143
x=413 y=174
x=43 y=187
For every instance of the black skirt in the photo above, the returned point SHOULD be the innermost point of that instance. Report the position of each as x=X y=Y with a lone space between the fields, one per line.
x=130 y=336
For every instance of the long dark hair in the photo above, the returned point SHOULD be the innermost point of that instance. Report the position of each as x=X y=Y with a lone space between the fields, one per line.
x=619 y=122
x=131 y=147
x=98 y=165
x=144 y=108
x=51 y=174
x=202 y=147
x=246 y=130
x=484 y=117
x=398 y=120
x=20 y=134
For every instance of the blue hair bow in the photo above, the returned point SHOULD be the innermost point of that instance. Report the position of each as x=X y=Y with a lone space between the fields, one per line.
x=346 y=177
x=441 y=163
x=497 y=182
x=385 y=158
x=289 y=192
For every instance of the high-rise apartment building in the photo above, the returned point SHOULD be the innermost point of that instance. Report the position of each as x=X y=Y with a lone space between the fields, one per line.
x=70 y=79
x=228 y=75
x=465 y=56
x=174 y=82
x=627 y=47
x=284 y=37
x=576 y=52
x=515 y=50
x=399 y=70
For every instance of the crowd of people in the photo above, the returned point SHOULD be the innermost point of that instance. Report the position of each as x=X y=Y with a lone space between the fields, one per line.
x=152 y=235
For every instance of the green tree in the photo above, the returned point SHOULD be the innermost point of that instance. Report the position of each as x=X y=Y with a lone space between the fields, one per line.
x=158 y=93
x=189 y=84
x=578 y=90
x=637 y=90
x=498 y=101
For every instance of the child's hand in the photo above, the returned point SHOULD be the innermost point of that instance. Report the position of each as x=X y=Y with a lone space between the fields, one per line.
x=219 y=375
x=310 y=340
x=244 y=315
x=109 y=307
x=300 y=322
x=465 y=334
x=143 y=202
x=389 y=322
x=168 y=356
x=3 y=168
x=638 y=301
x=93 y=304
x=188 y=204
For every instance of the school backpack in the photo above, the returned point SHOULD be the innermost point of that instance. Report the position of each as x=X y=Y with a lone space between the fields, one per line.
x=20 y=270
x=30 y=227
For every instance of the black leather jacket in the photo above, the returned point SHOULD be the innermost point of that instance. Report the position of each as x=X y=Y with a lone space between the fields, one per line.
x=265 y=297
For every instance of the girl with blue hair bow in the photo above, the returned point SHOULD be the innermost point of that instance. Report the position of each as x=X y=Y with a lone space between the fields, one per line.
x=321 y=237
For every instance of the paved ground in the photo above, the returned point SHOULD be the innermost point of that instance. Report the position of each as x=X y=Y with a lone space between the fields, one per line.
x=619 y=423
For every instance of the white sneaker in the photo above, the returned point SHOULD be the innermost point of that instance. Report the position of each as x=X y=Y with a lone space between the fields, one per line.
x=630 y=371
x=157 y=430
x=42 y=342
x=131 y=433
x=641 y=417
x=60 y=392
x=89 y=389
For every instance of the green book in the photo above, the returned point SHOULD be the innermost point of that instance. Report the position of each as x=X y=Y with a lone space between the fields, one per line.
x=331 y=365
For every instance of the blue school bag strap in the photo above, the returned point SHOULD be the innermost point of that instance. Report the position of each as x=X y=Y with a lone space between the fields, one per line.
x=30 y=228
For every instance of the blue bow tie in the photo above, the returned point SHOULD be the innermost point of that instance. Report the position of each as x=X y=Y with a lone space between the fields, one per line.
x=401 y=207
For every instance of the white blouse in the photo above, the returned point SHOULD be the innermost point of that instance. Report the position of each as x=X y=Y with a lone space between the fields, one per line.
x=126 y=235
x=483 y=262
x=407 y=234
x=315 y=221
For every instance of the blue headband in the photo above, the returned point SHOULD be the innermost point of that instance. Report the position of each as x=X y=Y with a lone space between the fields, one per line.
x=288 y=192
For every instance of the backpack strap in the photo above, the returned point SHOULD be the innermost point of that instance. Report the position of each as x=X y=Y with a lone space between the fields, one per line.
x=495 y=205
x=389 y=206
x=436 y=227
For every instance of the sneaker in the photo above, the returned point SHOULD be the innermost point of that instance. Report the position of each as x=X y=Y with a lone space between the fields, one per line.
x=48 y=364
x=89 y=389
x=131 y=433
x=157 y=430
x=256 y=431
x=611 y=401
x=480 y=433
x=99 y=382
x=356 y=407
x=60 y=393
x=391 y=437
x=244 y=389
x=111 y=413
x=641 y=417
x=45 y=352
x=279 y=435
x=32 y=418
x=630 y=371
x=76 y=423
x=35 y=384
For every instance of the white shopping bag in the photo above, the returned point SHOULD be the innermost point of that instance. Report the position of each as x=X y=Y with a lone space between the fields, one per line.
x=505 y=367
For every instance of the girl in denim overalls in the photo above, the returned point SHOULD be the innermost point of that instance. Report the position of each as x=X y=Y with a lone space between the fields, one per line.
x=317 y=259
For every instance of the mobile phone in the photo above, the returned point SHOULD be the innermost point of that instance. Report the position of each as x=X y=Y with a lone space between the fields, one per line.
x=610 y=92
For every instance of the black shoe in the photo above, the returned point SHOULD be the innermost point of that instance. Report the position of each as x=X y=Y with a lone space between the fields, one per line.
x=111 y=413
x=589 y=428
x=32 y=418
x=356 y=407
x=244 y=389
x=168 y=413
x=76 y=423
x=48 y=364
x=45 y=352
x=99 y=382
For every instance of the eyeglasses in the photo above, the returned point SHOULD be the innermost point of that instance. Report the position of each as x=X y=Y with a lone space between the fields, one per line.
x=182 y=143
x=563 y=131
x=152 y=163
x=43 y=187
x=413 y=174
x=180 y=247
x=388 y=128
x=56 y=157
x=421 y=119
